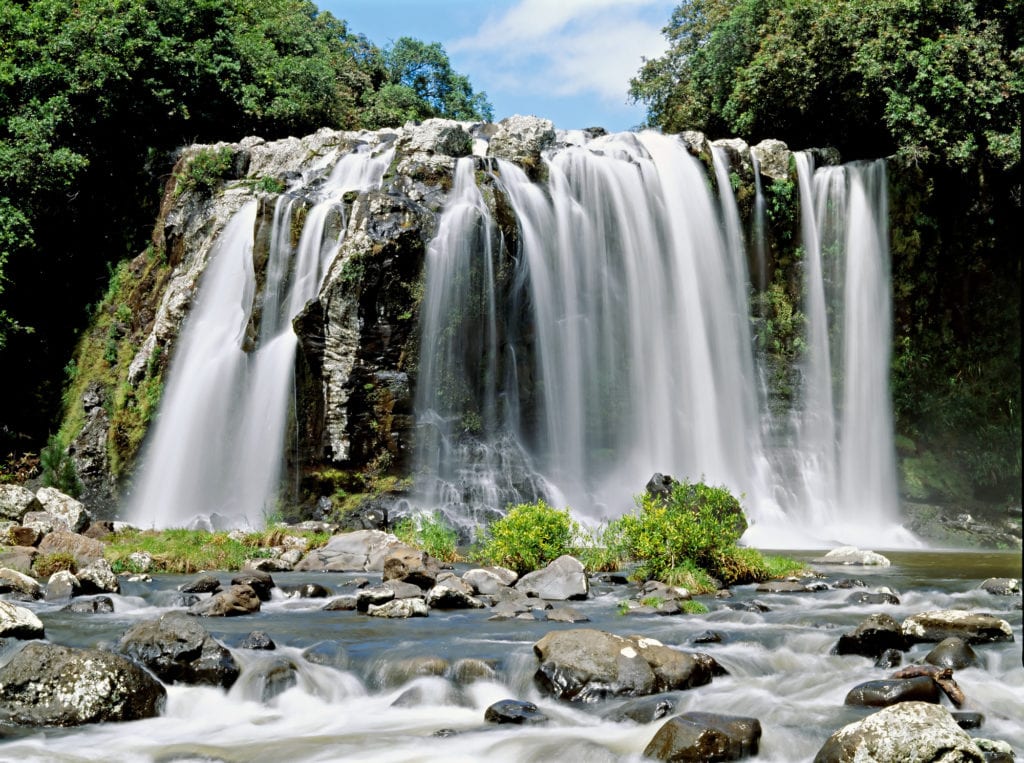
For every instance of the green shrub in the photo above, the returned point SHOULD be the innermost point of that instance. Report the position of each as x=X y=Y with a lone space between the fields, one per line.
x=46 y=565
x=530 y=536
x=694 y=526
x=205 y=170
x=692 y=607
x=430 y=533
x=59 y=468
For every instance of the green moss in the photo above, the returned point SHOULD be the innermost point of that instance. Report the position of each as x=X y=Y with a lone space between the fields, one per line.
x=204 y=171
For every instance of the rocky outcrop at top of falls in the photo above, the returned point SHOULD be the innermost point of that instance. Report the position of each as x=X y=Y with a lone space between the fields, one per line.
x=357 y=339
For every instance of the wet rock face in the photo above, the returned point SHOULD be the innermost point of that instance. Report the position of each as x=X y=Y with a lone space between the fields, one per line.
x=972 y=627
x=885 y=692
x=875 y=635
x=50 y=685
x=907 y=731
x=178 y=649
x=705 y=737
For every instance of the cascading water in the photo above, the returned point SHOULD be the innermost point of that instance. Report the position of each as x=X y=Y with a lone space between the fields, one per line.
x=611 y=339
x=216 y=446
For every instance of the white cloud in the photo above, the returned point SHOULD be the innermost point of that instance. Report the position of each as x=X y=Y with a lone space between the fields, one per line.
x=568 y=47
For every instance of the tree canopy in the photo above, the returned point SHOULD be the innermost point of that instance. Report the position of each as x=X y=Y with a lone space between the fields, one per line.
x=95 y=95
x=933 y=80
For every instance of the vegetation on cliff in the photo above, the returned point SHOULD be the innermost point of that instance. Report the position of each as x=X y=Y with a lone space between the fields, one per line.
x=938 y=85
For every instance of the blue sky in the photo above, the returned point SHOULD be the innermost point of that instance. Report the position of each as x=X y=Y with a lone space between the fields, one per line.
x=567 y=60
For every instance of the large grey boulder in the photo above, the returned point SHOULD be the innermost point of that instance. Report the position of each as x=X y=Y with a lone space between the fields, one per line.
x=565 y=578
x=443 y=596
x=972 y=627
x=910 y=732
x=84 y=550
x=521 y=139
x=399 y=608
x=98 y=577
x=62 y=585
x=179 y=650
x=236 y=600
x=1001 y=586
x=953 y=653
x=489 y=580
x=19 y=582
x=411 y=565
x=16 y=501
x=586 y=665
x=66 y=509
x=889 y=691
x=18 y=622
x=435 y=136
x=50 y=685
x=695 y=736
x=773 y=157
x=359 y=551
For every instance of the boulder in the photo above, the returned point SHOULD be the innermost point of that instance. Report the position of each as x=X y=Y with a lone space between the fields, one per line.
x=879 y=597
x=50 y=685
x=872 y=637
x=205 y=583
x=16 y=501
x=19 y=582
x=369 y=515
x=98 y=577
x=84 y=550
x=411 y=565
x=953 y=653
x=909 y=731
x=18 y=622
x=179 y=650
x=99 y=605
x=19 y=558
x=445 y=597
x=399 y=608
x=470 y=669
x=436 y=136
x=586 y=665
x=359 y=551
x=514 y=711
x=259 y=581
x=341 y=604
x=487 y=580
x=1001 y=586
x=974 y=628
x=43 y=522
x=851 y=555
x=403 y=590
x=698 y=737
x=521 y=139
x=889 y=691
x=236 y=600
x=67 y=510
x=773 y=157
x=565 y=578
x=258 y=640
x=374 y=597
x=308 y=591
x=566 y=615
x=644 y=709
x=19 y=535
x=62 y=585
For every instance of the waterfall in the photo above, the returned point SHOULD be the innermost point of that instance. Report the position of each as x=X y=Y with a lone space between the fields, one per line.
x=215 y=452
x=607 y=337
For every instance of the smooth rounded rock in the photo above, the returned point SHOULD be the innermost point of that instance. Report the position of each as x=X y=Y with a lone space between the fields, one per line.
x=514 y=711
x=19 y=622
x=890 y=691
x=563 y=579
x=12 y=580
x=953 y=652
x=700 y=737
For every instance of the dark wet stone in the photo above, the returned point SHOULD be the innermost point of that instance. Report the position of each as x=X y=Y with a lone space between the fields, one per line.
x=308 y=591
x=968 y=720
x=259 y=581
x=708 y=637
x=101 y=605
x=954 y=653
x=514 y=711
x=864 y=597
x=275 y=678
x=177 y=648
x=202 y=584
x=890 y=691
x=705 y=737
x=445 y=733
x=873 y=636
x=644 y=709
x=890 y=658
x=257 y=640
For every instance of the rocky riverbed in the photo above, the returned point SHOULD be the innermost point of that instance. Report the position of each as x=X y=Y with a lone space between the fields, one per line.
x=369 y=650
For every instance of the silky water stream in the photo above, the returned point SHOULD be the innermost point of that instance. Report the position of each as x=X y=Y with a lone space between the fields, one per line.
x=780 y=671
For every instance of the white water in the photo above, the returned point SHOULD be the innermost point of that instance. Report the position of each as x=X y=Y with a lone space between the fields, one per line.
x=618 y=345
x=216 y=447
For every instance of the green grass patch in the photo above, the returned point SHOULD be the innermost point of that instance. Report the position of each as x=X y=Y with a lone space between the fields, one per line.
x=430 y=533
x=188 y=551
x=46 y=565
x=692 y=607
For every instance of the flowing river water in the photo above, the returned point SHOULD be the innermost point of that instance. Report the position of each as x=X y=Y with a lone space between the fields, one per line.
x=779 y=662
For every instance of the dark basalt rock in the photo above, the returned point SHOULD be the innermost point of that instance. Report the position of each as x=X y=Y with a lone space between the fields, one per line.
x=968 y=720
x=705 y=737
x=259 y=581
x=178 y=649
x=953 y=653
x=257 y=640
x=885 y=692
x=872 y=637
x=644 y=709
x=863 y=597
x=308 y=591
x=708 y=637
x=50 y=685
x=890 y=658
x=201 y=584
x=514 y=711
x=101 y=605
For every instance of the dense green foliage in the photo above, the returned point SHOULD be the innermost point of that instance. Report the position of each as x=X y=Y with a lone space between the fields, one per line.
x=430 y=533
x=96 y=95
x=684 y=538
x=529 y=537
x=940 y=85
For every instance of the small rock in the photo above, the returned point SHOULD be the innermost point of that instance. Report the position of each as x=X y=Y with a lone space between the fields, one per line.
x=469 y=669
x=273 y=678
x=644 y=709
x=782 y=586
x=140 y=561
x=201 y=584
x=329 y=653
x=399 y=608
x=708 y=637
x=100 y=605
x=411 y=565
x=341 y=604
x=308 y=591
x=564 y=578
x=872 y=637
x=885 y=692
x=566 y=615
x=259 y=581
x=850 y=555
x=257 y=640
x=403 y=590
x=61 y=586
x=444 y=597
x=514 y=711
x=890 y=658
x=953 y=653
x=968 y=720
x=268 y=565
x=863 y=597
x=375 y=596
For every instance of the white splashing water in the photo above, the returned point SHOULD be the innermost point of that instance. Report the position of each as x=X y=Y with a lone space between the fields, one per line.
x=613 y=342
x=216 y=447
